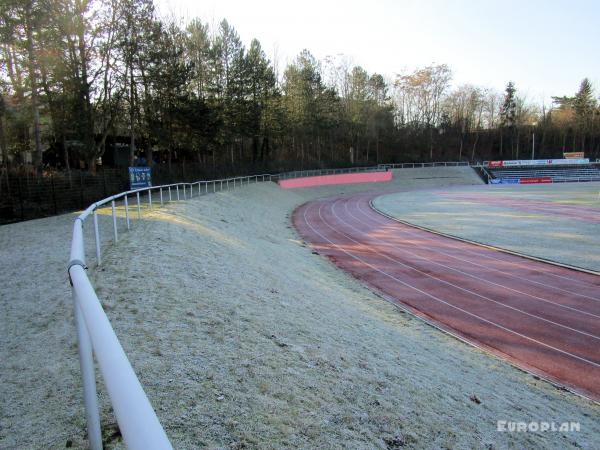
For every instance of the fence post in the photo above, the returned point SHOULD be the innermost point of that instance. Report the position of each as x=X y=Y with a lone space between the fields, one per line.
x=81 y=191
x=161 y=198
x=214 y=186
x=170 y=199
x=21 y=198
x=149 y=198
x=114 y=218
x=199 y=189
x=137 y=196
x=53 y=193
x=97 y=238
x=206 y=186
x=126 y=211
x=183 y=186
x=177 y=188
x=88 y=377
x=221 y=188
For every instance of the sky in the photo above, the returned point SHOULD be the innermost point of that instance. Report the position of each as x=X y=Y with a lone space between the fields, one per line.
x=545 y=47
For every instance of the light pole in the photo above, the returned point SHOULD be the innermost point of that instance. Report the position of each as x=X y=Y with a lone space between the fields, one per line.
x=534 y=124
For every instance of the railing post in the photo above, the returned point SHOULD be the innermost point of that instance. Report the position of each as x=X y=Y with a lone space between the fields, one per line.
x=161 y=197
x=137 y=195
x=149 y=198
x=170 y=199
x=177 y=189
x=221 y=188
x=126 y=211
x=97 y=238
x=227 y=181
x=183 y=186
x=114 y=219
x=88 y=377
x=206 y=186
x=199 y=189
x=214 y=186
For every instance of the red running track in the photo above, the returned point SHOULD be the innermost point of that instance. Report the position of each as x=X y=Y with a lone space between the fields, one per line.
x=540 y=317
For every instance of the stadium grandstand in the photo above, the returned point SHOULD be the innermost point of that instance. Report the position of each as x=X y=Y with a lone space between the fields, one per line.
x=542 y=171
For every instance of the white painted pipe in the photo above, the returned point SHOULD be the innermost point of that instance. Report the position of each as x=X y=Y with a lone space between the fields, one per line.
x=88 y=377
x=183 y=186
x=177 y=188
x=97 y=238
x=149 y=199
x=126 y=211
x=137 y=195
x=114 y=220
x=170 y=199
x=137 y=420
x=161 y=197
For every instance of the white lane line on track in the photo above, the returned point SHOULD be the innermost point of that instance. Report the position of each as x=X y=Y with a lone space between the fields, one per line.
x=439 y=299
x=521 y=266
x=483 y=280
x=447 y=282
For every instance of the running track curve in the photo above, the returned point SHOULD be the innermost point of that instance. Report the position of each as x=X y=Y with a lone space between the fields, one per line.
x=538 y=316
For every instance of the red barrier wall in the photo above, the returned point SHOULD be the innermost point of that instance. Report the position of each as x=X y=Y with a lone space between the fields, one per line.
x=344 y=178
x=535 y=180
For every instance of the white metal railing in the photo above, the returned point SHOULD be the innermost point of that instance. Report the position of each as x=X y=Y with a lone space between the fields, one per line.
x=423 y=165
x=319 y=172
x=137 y=419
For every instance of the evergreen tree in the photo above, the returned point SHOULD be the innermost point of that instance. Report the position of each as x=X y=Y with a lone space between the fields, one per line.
x=509 y=107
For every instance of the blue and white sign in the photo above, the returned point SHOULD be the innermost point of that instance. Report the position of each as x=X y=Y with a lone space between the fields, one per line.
x=140 y=177
x=504 y=181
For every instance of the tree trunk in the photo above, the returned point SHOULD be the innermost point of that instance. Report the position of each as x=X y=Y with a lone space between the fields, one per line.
x=37 y=157
x=131 y=117
x=474 y=147
x=3 y=146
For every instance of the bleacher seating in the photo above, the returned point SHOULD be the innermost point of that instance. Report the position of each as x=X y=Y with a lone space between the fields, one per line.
x=558 y=174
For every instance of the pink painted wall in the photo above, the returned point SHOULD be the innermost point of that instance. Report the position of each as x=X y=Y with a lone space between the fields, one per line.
x=344 y=178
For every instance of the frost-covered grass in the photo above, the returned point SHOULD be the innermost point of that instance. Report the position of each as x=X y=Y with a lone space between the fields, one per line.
x=242 y=337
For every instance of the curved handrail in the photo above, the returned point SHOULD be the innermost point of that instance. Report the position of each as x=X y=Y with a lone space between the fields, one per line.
x=137 y=420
